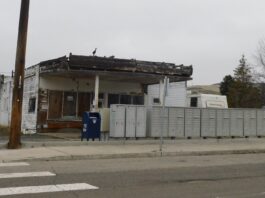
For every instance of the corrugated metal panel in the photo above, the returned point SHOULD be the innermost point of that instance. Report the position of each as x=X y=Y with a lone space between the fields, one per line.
x=140 y=121
x=261 y=122
x=250 y=122
x=223 y=123
x=236 y=123
x=192 y=122
x=130 y=121
x=158 y=121
x=208 y=122
x=117 y=121
x=176 y=122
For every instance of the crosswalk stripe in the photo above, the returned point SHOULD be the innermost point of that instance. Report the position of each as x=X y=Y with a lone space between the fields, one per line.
x=46 y=189
x=26 y=174
x=14 y=164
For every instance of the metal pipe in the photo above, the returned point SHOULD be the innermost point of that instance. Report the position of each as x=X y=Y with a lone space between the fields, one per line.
x=96 y=93
x=163 y=114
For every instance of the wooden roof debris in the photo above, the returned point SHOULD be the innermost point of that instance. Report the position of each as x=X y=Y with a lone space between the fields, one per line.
x=111 y=65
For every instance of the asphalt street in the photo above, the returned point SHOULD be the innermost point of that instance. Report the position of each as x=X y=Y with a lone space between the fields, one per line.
x=220 y=176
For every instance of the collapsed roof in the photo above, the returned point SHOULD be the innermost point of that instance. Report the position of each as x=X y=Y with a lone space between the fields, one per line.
x=111 y=68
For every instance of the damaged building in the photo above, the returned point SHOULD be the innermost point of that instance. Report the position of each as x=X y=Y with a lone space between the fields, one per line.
x=58 y=91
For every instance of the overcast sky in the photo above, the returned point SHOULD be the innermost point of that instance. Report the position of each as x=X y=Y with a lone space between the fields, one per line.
x=211 y=35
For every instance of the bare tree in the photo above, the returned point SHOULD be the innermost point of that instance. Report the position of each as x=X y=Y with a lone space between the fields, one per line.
x=260 y=68
x=260 y=57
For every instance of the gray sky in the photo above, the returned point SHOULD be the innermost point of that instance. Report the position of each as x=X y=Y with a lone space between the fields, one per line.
x=209 y=34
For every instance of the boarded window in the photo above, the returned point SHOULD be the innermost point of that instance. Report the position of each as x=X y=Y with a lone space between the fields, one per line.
x=55 y=104
x=69 y=104
x=32 y=104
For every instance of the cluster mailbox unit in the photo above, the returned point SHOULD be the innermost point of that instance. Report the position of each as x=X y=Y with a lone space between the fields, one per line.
x=127 y=121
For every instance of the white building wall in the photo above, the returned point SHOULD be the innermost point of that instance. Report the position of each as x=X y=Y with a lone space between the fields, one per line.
x=6 y=101
x=31 y=87
x=176 y=94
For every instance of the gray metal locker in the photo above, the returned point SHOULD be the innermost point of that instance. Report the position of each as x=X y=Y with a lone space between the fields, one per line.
x=176 y=122
x=237 y=122
x=158 y=122
x=140 y=121
x=261 y=122
x=192 y=122
x=130 y=121
x=223 y=123
x=117 y=121
x=250 y=122
x=208 y=122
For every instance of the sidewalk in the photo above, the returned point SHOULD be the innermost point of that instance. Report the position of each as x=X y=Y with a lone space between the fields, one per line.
x=58 y=149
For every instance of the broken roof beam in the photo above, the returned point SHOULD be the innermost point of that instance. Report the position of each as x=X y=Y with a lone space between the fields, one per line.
x=94 y=63
x=54 y=65
x=131 y=65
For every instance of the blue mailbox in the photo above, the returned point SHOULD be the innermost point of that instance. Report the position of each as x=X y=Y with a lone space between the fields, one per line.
x=91 y=125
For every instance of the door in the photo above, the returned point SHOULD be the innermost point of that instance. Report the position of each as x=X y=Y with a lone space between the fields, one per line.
x=55 y=104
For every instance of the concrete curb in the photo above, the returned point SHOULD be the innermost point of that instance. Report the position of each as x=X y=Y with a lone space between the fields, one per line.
x=140 y=155
x=55 y=143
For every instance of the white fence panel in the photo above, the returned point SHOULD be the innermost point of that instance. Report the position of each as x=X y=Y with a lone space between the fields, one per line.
x=140 y=121
x=223 y=123
x=236 y=123
x=250 y=122
x=176 y=122
x=208 y=122
x=260 y=122
x=158 y=121
x=192 y=122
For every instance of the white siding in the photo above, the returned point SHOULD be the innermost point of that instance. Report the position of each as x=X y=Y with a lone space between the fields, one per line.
x=6 y=102
x=31 y=83
x=176 y=94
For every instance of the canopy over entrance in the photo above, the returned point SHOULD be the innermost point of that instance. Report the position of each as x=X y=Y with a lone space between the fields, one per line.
x=114 y=69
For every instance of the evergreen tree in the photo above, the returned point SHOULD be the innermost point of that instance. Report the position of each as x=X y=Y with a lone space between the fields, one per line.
x=225 y=84
x=241 y=91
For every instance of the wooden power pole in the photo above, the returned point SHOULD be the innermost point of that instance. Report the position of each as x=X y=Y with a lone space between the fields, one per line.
x=16 y=115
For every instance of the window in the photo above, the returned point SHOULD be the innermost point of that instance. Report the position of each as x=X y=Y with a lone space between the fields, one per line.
x=126 y=99
x=113 y=99
x=69 y=104
x=156 y=101
x=193 y=101
x=138 y=100
x=32 y=104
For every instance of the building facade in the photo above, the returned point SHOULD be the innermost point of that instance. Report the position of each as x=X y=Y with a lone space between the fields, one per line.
x=58 y=91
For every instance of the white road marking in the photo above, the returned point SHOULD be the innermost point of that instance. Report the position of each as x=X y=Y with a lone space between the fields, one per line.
x=14 y=164
x=26 y=174
x=46 y=189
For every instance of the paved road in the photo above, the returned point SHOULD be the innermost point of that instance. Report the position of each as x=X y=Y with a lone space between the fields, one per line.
x=223 y=176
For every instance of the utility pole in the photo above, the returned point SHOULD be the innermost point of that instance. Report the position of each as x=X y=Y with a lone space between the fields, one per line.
x=16 y=115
